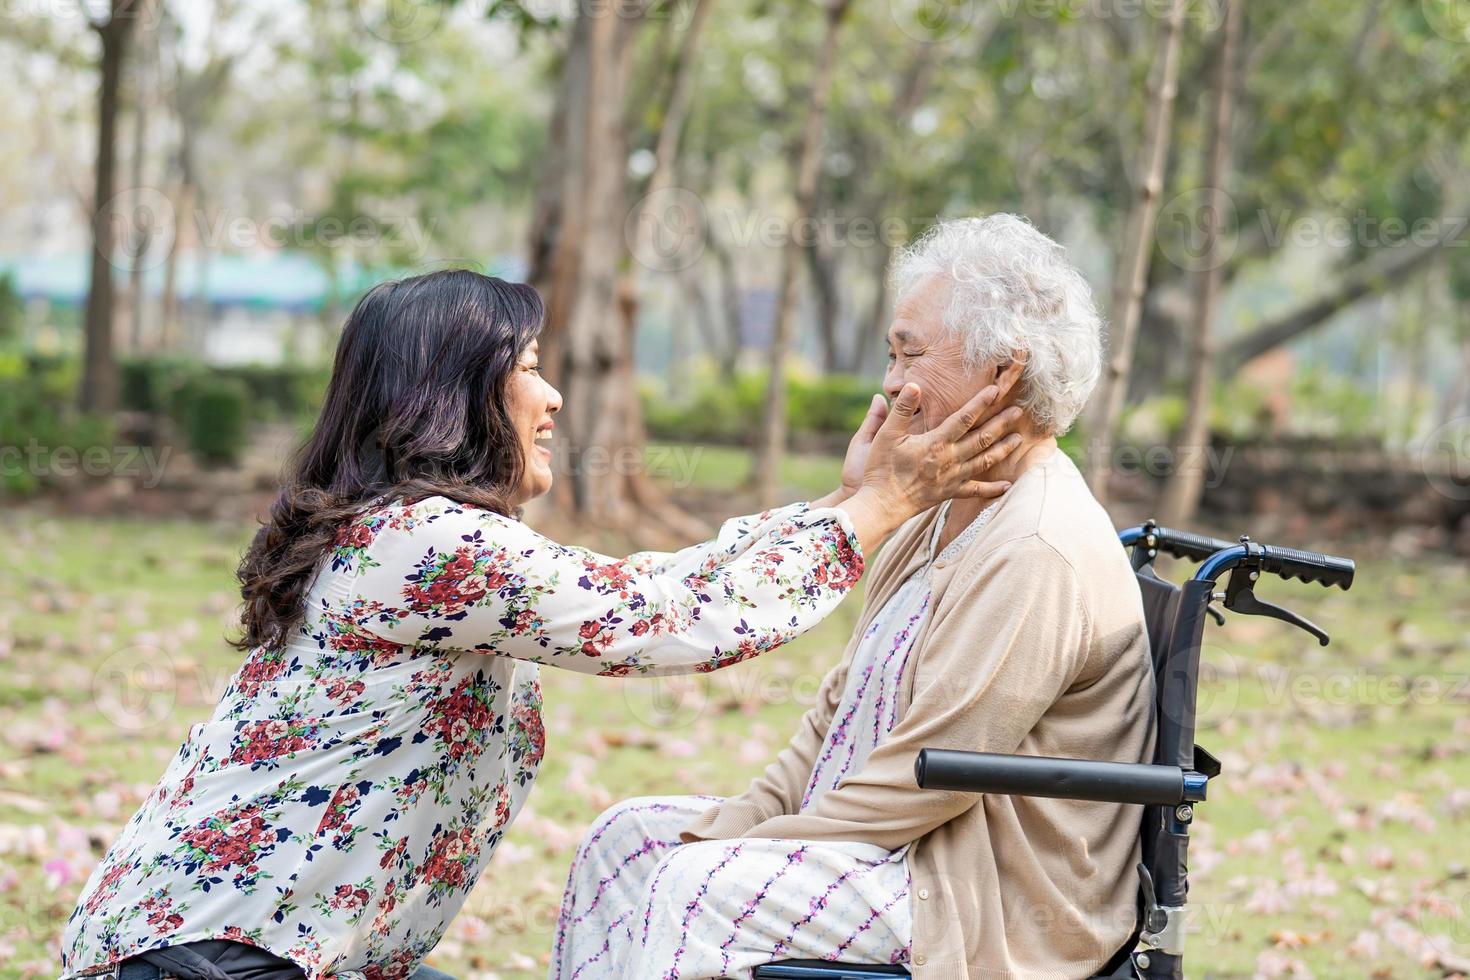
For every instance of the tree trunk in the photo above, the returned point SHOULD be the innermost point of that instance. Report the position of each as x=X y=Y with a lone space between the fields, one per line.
x=136 y=298
x=772 y=447
x=872 y=328
x=99 y=363
x=697 y=309
x=1132 y=271
x=732 y=309
x=1186 y=481
x=877 y=319
x=822 y=266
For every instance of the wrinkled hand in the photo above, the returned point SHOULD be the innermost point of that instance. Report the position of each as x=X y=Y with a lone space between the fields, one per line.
x=911 y=470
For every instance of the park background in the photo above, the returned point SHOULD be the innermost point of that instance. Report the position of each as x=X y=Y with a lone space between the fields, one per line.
x=1269 y=196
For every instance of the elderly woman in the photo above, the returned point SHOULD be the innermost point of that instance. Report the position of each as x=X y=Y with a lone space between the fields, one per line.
x=1012 y=626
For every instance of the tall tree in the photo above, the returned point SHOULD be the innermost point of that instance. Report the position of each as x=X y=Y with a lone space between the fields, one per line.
x=1185 y=484
x=1131 y=273
x=772 y=448
x=99 y=363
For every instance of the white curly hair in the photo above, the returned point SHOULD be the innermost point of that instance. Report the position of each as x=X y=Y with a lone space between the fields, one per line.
x=1011 y=288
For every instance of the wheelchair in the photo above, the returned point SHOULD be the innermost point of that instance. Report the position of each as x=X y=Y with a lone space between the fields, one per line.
x=1176 y=781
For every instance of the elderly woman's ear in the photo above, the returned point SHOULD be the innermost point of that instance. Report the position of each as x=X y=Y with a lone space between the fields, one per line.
x=1008 y=373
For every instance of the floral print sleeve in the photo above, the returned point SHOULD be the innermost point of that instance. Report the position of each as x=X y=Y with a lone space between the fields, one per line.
x=449 y=576
x=735 y=536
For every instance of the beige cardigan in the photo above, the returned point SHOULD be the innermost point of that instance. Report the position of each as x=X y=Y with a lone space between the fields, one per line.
x=1036 y=645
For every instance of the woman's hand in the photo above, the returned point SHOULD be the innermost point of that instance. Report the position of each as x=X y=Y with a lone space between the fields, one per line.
x=909 y=470
x=856 y=461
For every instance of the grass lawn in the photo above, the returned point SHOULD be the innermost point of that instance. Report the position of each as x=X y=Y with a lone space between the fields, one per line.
x=1334 y=842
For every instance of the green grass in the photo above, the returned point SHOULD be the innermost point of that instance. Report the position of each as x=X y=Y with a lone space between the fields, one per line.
x=1339 y=812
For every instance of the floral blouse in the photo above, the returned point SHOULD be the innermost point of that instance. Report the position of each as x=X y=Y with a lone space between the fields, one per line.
x=352 y=784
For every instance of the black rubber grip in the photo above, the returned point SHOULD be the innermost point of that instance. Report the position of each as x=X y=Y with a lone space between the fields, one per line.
x=1061 y=779
x=1194 y=547
x=1309 y=566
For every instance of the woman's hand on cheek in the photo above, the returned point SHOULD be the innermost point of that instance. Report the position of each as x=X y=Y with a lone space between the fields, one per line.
x=858 y=448
x=910 y=470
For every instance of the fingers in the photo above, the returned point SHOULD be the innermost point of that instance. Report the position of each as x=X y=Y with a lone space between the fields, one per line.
x=993 y=431
x=984 y=462
x=873 y=421
x=964 y=419
x=982 y=490
x=901 y=413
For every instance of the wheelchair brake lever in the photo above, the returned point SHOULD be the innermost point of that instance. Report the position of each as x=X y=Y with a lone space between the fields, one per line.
x=1241 y=598
x=1216 y=615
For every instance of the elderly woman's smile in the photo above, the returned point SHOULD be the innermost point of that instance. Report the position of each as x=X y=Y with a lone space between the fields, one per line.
x=922 y=350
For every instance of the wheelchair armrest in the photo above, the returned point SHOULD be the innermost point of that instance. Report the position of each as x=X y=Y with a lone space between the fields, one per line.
x=1063 y=779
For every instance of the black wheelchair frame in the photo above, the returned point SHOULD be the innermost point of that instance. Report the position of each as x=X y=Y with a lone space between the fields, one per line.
x=1176 y=780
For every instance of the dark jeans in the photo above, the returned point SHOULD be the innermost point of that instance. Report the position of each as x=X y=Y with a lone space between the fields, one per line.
x=219 y=959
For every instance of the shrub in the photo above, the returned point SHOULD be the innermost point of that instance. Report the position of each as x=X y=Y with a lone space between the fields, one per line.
x=730 y=411
x=153 y=384
x=214 y=416
x=37 y=418
x=834 y=404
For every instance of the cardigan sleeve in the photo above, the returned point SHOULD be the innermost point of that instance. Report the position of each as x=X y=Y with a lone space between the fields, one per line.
x=999 y=657
x=445 y=576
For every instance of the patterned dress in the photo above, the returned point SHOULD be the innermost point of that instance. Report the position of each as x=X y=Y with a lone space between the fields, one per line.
x=352 y=784
x=640 y=904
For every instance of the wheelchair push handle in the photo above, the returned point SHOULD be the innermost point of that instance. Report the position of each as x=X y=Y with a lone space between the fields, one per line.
x=1062 y=779
x=1309 y=566
x=1179 y=544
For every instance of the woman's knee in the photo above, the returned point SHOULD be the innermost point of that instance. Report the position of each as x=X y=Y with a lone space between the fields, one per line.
x=655 y=816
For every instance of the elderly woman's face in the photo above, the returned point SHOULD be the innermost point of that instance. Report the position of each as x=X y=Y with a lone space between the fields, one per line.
x=922 y=350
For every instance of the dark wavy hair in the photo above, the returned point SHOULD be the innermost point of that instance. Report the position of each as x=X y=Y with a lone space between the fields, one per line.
x=415 y=407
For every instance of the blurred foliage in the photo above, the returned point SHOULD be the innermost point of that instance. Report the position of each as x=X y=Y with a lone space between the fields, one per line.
x=274 y=393
x=728 y=412
x=38 y=420
x=213 y=410
x=12 y=310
